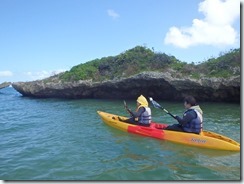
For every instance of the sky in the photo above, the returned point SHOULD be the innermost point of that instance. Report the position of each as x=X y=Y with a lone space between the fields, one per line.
x=41 y=38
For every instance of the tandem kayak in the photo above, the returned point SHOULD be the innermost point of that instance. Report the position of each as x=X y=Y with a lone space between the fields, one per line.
x=205 y=139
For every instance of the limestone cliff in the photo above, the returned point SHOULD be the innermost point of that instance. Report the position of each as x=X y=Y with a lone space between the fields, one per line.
x=155 y=84
x=143 y=71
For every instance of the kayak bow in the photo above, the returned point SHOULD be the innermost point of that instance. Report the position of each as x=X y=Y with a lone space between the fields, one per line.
x=205 y=139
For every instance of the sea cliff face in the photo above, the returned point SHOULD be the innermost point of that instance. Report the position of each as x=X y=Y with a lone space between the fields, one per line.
x=155 y=84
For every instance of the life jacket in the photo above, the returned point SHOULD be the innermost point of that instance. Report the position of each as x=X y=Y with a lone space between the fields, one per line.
x=145 y=117
x=194 y=125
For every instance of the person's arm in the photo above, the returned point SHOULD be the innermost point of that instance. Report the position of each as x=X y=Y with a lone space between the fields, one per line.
x=186 y=118
x=138 y=113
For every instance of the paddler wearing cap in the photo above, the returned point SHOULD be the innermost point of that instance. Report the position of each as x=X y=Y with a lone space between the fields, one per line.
x=142 y=115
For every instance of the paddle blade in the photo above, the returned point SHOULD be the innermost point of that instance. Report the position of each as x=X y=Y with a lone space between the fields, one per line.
x=125 y=103
x=155 y=104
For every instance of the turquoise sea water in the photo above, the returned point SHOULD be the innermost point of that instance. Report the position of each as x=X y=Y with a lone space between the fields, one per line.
x=56 y=139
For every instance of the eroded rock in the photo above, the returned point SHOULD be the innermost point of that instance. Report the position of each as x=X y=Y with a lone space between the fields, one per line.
x=156 y=84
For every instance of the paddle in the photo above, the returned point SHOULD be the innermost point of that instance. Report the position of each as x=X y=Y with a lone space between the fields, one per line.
x=126 y=108
x=156 y=105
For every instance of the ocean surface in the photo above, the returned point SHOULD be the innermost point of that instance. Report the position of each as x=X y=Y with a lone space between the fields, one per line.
x=57 y=139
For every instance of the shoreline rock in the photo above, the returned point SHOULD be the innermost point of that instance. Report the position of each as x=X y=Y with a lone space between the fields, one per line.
x=156 y=84
x=5 y=84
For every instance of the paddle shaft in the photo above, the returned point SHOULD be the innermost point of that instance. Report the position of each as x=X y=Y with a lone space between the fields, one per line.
x=167 y=112
x=126 y=107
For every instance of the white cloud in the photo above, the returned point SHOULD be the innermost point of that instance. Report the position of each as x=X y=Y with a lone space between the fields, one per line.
x=6 y=73
x=113 y=14
x=214 y=29
x=43 y=74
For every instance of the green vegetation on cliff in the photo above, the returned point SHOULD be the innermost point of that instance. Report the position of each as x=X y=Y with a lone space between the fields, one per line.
x=141 y=59
x=226 y=65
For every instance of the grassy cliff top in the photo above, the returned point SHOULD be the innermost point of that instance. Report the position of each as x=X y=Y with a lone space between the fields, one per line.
x=140 y=59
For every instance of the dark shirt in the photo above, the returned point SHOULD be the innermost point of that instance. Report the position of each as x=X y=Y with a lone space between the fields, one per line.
x=188 y=116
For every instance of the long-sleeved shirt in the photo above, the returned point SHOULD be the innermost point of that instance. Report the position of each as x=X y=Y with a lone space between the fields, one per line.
x=187 y=117
x=137 y=113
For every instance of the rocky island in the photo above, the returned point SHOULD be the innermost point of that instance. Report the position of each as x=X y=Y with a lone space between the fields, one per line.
x=5 y=84
x=141 y=71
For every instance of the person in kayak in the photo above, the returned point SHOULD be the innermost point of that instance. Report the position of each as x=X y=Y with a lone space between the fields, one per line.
x=192 y=118
x=142 y=115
